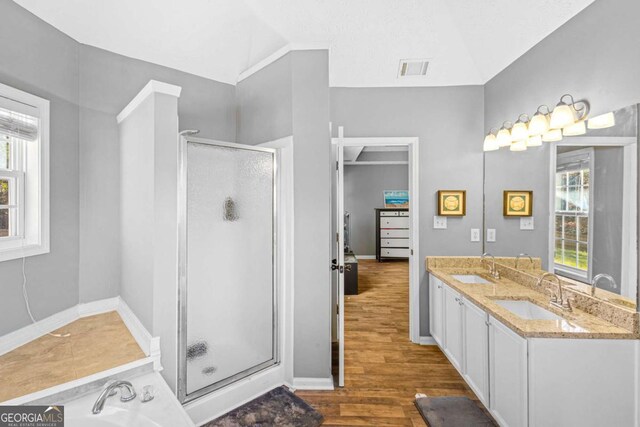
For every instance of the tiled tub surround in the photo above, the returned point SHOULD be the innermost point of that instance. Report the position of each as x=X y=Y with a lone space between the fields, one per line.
x=590 y=318
x=578 y=370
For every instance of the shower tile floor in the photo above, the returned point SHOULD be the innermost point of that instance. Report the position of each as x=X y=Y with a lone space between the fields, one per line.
x=97 y=343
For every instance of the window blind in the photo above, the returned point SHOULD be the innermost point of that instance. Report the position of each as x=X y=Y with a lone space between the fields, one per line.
x=18 y=125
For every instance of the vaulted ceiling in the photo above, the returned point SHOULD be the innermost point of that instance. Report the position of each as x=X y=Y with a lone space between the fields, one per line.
x=466 y=41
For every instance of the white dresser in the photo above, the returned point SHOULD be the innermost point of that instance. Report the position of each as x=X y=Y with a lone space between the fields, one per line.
x=392 y=233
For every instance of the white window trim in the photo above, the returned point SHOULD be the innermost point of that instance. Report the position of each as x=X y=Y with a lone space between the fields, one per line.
x=565 y=270
x=35 y=237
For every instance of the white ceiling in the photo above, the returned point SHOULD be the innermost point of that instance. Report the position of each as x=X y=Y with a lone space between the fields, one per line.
x=467 y=41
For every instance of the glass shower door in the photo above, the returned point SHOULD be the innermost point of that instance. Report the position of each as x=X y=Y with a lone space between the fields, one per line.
x=228 y=293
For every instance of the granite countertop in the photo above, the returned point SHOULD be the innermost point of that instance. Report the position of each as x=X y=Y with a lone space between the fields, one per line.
x=575 y=324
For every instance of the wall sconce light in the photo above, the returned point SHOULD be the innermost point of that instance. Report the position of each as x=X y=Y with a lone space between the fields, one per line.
x=518 y=145
x=602 y=121
x=578 y=128
x=504 y=135
x=564 y=114
x=490 y=142
x=534 y=141
x=520 y=130
x=539 y=123
x=552 y=135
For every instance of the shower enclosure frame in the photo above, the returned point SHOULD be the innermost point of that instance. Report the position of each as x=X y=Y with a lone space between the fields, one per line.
x=183 y=397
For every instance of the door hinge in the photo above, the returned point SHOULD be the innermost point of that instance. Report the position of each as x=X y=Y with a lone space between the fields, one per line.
x=411 y=251
x=338 y=309
x=337 y=237
x=337 y=165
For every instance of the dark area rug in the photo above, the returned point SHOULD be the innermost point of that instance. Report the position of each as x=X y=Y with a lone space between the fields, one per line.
x=279 y=407
x=452 y=412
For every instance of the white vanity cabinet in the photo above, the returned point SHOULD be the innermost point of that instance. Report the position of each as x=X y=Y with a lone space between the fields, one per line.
x=436 y=309
x=453 y=326
x=508 y=375
x=475 y=349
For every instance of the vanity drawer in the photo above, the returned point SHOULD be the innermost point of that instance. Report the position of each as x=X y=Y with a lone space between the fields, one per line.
x=395 y=252
x=394 y=243
x=394 y=222
x=389 y=213
x=393 y=233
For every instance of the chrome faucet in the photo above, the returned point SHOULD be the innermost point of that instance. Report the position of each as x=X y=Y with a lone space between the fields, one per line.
x=523 y=255
x=492 y=268
x=127 y=393
x=594 y=282
x=557 y=300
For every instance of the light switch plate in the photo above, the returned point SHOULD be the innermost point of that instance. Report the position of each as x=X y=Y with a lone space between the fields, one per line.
x=440 y=222
x=475 y=234
x=526 y=223
x=491 y=234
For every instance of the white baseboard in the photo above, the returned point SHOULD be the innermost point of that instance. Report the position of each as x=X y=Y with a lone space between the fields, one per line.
x=427 y=341
x=365 y=257
x=312 y=383
x=22 y=336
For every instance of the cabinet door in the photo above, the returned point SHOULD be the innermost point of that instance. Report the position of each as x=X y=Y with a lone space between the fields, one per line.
x=508 y=375
x=436 y=309
x=476 y=349
x=453 y=327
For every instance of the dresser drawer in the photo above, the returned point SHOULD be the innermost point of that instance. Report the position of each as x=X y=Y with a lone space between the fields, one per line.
x=394 y=243
x=394 y=222
x=389 y=213
x=393 y=233
x=394 y=252
x=404 y=213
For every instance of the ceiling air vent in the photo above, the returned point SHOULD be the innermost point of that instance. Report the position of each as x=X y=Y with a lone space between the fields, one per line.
x=413 y=67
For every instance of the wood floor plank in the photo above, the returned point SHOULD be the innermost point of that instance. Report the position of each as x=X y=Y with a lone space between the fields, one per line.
x=383 y=368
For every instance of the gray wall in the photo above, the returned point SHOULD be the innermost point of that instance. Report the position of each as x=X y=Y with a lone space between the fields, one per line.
x=87 y=88
x=40 y=60
x=592 y=56
x=108 y=82
x=291 y=97
x=449 y=122
x=363 y=192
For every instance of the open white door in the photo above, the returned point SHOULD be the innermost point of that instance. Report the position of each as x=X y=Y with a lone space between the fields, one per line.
x=339 y=267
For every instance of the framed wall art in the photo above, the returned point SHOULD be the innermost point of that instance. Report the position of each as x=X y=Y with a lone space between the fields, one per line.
x=452 y=203
x=517 y=203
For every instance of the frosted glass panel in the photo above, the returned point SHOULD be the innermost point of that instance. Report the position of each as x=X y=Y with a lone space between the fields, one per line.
x=230 y=288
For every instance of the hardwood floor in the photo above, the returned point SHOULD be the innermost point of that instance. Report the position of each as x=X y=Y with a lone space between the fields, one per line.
x=383 y=369
x=96 y=343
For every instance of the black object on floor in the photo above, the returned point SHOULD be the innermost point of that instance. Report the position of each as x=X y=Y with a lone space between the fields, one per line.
x=279 y=407
x=452 y=412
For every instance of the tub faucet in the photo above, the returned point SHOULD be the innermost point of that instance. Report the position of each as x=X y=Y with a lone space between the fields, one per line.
x=492 y=268
x=594 y=282
x=127 y=393
x=523 y=255
x=557 y=300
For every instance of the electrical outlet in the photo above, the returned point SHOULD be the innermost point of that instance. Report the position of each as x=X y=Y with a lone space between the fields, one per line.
x=440 y=222
x=491 y=234
x=526 y=223
x=475 y=234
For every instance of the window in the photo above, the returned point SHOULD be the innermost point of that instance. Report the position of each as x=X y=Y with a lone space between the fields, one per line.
x=24 y=190
x=572 y=220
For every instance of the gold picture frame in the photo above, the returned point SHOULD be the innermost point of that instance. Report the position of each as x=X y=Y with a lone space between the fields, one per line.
x=517 y=203
x=452 y=202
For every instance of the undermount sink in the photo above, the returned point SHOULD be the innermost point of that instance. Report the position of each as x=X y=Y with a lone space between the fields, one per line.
x=470 y=278
x=527 y=310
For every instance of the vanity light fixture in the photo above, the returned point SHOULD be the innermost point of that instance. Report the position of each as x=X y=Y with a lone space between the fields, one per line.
x=534 y=141
x=520 y=131
x=552 y=135
x=518 y=145
x=491 y=142
x=504 y=135
x=564 y=114
x=578 y=128
x=602 y=121
x=539 y=123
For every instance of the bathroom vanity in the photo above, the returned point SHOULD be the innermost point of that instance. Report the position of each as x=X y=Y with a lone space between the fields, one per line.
x=530 y=363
